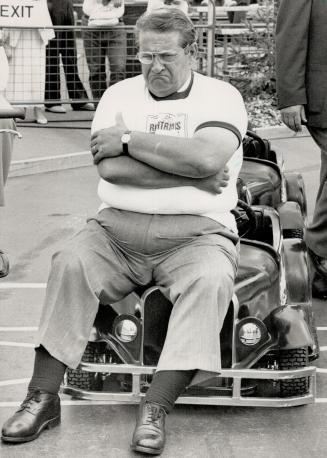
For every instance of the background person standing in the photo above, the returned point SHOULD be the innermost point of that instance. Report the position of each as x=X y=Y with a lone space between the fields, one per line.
x=301 y=72
x=62 y=13
x=6 y=144
x=109 y=41
x=25 y=49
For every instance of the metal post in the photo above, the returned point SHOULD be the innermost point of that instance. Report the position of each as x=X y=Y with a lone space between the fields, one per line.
x=211 y=37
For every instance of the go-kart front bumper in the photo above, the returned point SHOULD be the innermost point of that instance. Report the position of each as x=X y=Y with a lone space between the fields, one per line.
x=236 y=398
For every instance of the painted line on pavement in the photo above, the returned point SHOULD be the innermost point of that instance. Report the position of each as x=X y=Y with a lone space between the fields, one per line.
x=16 y=344
x=17 y=328
x=71 y=403
x=16 y=381
x=11 y=285
x=323 y=348
x=321 y=370
x=321 y=328
x=104 y=403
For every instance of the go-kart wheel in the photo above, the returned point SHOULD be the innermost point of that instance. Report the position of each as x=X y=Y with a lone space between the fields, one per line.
x=293 y=359
x=87 y=380
x=295 y=190
x=293 y=233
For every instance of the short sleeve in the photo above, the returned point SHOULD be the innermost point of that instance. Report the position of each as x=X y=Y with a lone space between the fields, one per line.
x=225 y=108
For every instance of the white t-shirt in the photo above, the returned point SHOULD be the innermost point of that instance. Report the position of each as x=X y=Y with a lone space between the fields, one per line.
x=179 y=4
x=106 y=15
x=210 y=102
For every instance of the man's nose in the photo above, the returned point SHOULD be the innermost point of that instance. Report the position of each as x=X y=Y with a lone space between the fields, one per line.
x=157 y=65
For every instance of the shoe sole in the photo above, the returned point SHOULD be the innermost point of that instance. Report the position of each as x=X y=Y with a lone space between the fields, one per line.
x=149 y=451
x=46 y=425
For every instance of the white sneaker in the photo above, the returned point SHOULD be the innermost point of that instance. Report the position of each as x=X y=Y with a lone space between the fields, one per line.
x=56 y=109
x=39 y=116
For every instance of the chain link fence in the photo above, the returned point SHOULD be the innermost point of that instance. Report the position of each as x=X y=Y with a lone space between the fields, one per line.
x=80 y=62
x=76 y=66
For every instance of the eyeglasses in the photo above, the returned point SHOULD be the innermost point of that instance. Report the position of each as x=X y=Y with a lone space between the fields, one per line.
x=165 y=57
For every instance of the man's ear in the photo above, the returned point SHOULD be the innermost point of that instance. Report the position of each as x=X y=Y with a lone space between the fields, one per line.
x=193 y=50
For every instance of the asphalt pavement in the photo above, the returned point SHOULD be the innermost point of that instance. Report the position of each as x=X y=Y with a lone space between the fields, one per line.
x=50 y=193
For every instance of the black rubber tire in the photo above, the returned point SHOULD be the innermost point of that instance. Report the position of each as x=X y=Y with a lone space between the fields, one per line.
x=86 y=380
x=293 y=233
x=293 y=359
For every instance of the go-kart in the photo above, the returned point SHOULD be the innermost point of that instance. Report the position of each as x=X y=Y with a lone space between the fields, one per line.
x=268 y=337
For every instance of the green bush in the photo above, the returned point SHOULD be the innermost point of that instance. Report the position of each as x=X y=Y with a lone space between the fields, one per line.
x=251 y=55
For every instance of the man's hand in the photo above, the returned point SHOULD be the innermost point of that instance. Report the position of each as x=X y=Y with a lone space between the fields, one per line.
x=293 y=117
x=106 y=143
x=214 y=183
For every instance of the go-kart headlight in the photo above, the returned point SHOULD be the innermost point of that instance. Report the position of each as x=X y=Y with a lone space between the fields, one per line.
x=250 y=334
x=126 y=330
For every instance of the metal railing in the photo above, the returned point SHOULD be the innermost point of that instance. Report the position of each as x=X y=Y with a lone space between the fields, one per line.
x=81 y=62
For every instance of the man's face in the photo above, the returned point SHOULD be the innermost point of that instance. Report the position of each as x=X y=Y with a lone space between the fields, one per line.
x=164 y=78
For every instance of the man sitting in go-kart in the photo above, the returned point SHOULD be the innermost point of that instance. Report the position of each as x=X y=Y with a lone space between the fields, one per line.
x=162 y=143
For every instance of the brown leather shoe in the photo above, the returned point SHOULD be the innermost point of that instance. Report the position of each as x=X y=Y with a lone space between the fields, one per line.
x=149 y=434
x=40 y=410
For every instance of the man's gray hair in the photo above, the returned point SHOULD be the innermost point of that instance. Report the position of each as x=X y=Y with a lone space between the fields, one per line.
x=163 y=20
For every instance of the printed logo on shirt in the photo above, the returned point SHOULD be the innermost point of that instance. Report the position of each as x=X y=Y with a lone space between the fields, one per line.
x=167 y=124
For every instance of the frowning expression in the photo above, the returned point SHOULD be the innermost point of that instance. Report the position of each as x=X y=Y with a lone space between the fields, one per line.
x=161 y=76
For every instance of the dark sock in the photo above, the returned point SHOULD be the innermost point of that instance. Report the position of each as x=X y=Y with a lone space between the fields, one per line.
x=167 y=386
x=48 y=372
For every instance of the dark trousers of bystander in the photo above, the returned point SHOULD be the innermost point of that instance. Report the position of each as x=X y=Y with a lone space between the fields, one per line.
x=63 y=45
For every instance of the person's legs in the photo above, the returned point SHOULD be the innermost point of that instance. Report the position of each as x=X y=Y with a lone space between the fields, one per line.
x=95 y=52
x=86 y=272
x=75 y=88
x=316 y=233
x=117 y=52
x=6 y=147
x=198 y=278
x=52 y=73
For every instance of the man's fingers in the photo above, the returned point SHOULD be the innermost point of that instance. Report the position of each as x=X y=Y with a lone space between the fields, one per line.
x=292 y=117
x=98 y=156
x=291 y=121
x=303 y=116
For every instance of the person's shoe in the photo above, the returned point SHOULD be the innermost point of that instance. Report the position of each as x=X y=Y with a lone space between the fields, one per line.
x=86 y=107
x=40 y=410
x=4 y=265
x=56 y=109
x=149 y=433
x=39 y=116
x=319 y=263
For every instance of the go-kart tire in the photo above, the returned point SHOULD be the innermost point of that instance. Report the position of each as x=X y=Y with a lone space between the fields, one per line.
x=293 y=359
x=87 y=380
x=293 y=233
x=295 y=190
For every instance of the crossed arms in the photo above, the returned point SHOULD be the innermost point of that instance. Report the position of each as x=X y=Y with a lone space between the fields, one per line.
x=160 y=161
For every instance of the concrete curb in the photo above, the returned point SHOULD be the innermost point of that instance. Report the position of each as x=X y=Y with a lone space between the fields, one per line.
x=279 y=132
x=50 y=164
x=83 y=159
